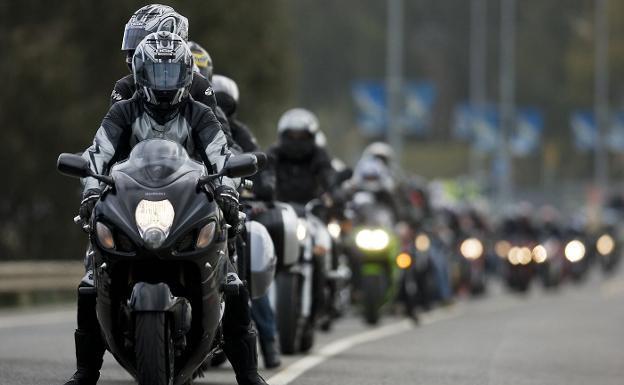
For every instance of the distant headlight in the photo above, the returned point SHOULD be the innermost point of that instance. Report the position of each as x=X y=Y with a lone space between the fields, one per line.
x=372 y=240
x=605 y=244
x=302 y=231
x=471 y=248
x=334 y=229
x=502 y=248
x=154 y=220
x=520 y=256
x=422 y=242
x=575 y=251
x=105 y=236
x=540 y=255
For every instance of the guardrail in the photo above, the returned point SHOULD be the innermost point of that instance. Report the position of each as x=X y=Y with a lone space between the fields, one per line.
x=37 y=276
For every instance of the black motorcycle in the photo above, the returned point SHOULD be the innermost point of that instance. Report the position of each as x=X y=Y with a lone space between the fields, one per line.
x=161 y=261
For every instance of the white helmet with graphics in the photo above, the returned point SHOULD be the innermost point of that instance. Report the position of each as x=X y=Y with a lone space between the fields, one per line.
x=163 y=71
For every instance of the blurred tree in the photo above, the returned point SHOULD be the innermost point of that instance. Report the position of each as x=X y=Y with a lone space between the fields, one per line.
x=60 y=63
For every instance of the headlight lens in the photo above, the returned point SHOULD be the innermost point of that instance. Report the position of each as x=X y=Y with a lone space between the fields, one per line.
x=372 y=240
x=502 y=248
x=206 y=235
x=471 y=248
x=422 y=242
x=302 y=231
x=154 y=220
x=575 y=251
x=520 y=256
x=540 y=255
x=334 y=229
x=605 y=244
x=105 y=236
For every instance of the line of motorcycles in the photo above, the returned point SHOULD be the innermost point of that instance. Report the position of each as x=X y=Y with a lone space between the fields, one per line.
x=162 y=271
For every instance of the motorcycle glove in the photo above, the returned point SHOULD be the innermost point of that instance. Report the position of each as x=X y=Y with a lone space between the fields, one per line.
x=227 y=199
x=89 y=199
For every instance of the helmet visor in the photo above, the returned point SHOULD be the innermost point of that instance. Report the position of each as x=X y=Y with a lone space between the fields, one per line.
x=132 y=37
x=162 y=76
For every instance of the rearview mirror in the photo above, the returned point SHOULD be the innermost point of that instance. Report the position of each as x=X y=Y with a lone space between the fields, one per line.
x=73 y=165
x=240 y=166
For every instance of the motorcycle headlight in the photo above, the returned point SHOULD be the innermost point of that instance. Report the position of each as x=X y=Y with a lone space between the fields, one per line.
x=574 y=251
x=334 y=229
x=302 y=231
x=540 y=254
x=105 y=236
x=422 y=242
x=154 y=220
x=605 y=244
x=206 y=235
x=372 y=240
x=471 y=248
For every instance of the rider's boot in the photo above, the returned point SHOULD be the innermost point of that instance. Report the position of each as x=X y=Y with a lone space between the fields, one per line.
x=240 y=338
x=89 y=344
x=270 y=353
x=243 y=356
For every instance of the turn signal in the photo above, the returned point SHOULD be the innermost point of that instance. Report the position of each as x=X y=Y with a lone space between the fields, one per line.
x=404 y=261
x=104 y=236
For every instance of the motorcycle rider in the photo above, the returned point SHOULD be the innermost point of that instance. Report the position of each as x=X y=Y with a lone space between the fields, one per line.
x=163 y=108
x=153 y=18
x=302 y=169
x=227 y=94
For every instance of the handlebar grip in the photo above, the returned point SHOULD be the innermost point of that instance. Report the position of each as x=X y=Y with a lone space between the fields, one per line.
x=263 y=160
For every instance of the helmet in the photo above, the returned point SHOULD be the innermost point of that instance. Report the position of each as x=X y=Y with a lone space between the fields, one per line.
x=320 y=139
x=297 y=129
x=152 y=18
x=382 y=151
x=226 y=93
x=298 y=119
x=163 y=71
x=203 y=61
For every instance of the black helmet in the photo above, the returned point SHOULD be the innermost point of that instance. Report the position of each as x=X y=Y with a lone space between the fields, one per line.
x=149 y=19
x=163 y=72
x=226 y=92
x=203 y=61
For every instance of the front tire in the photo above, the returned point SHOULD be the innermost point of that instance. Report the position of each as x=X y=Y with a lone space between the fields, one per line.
x=373 y=293
x=153 y=349
x=289 y=311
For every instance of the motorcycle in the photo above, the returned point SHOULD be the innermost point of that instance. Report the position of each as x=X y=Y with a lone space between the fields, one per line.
x=376 y=246
x=161 y=265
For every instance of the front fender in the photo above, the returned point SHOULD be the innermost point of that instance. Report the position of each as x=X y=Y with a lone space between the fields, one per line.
x=151 y=297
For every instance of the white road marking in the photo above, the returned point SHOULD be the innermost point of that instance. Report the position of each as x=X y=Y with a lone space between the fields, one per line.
x=298 y=368
x=27 y=320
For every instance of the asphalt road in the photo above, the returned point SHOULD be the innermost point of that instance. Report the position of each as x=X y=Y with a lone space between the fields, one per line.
x=574 y=336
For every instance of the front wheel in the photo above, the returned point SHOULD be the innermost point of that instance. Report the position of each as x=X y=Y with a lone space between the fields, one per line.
x=153 y=349
x=373 y=293
x=289 y=322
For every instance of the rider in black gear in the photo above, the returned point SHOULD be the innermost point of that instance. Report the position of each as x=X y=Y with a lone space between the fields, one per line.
x=153 y=18
x=162 y=108
x=303 y=170
x=227 y=94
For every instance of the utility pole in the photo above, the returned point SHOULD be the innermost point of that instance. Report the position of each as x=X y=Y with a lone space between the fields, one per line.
x=478 y=68
x=601 y=97
x=394 y=75
x=507 y=100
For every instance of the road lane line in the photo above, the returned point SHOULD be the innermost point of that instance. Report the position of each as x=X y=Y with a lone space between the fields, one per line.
x=299 y=367
x=27 y=320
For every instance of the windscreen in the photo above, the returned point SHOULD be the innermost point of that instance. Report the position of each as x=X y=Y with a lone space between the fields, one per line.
x=158 y=162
